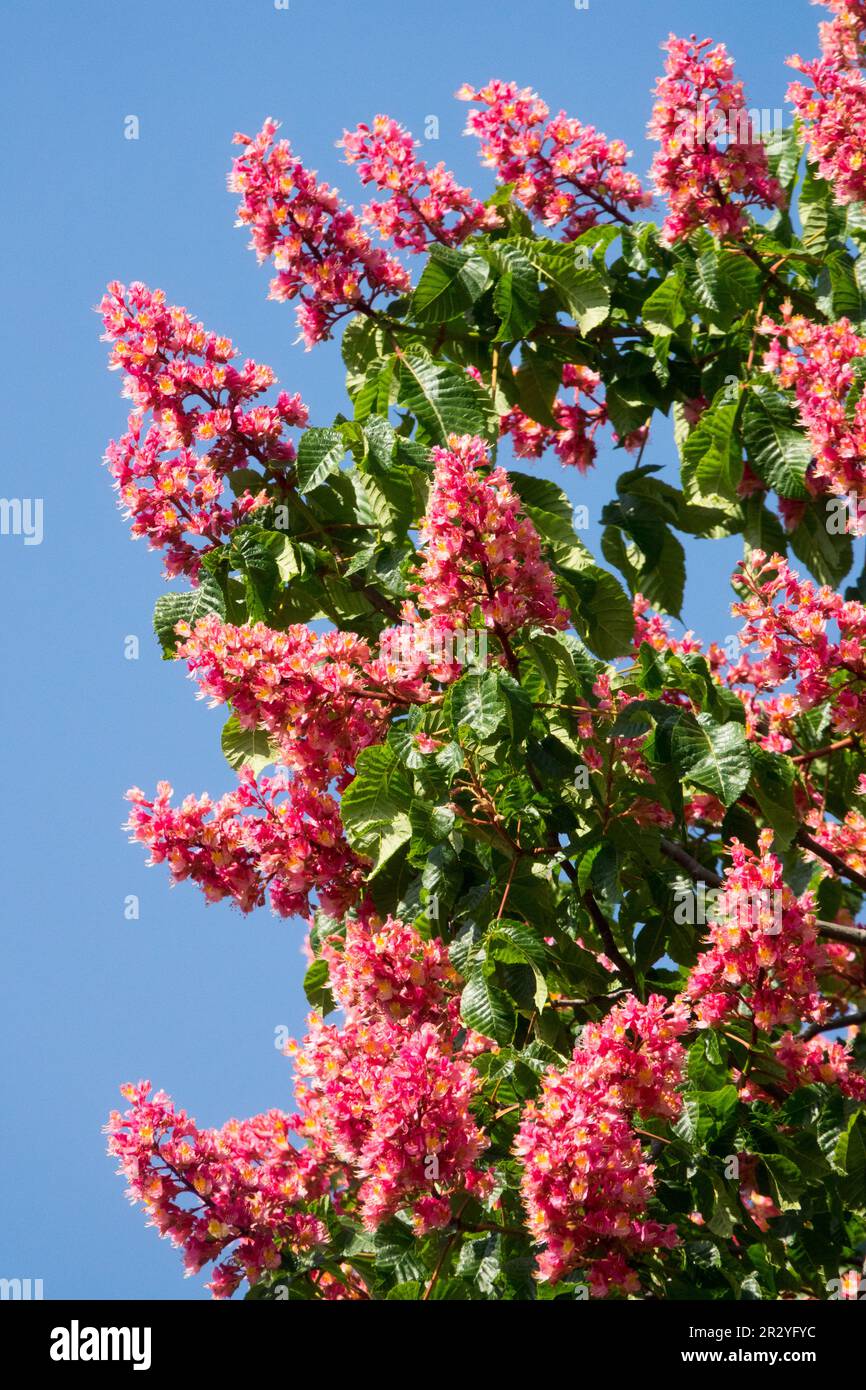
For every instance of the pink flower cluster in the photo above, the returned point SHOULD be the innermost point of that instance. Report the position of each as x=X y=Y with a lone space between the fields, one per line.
x=562 y=171
x=183 y=376
x=388 y=968
x=842 y=37
x=421 y=200
x=480 y=551
x=820 y=362
x=273 y=836
x=793 y=641
x=386 y=1093
x=586 y=1183
x=831 y=103
x=321 y=253
x=236 y=1195
x=814 y=1061
x=764 y=950
x=322 y=697
x=573 y=439
x=707 y=182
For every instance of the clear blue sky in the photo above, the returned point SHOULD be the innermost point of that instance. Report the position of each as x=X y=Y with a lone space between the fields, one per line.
x=187 y=995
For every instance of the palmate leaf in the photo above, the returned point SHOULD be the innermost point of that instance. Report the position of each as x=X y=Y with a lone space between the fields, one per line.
x=320 y=453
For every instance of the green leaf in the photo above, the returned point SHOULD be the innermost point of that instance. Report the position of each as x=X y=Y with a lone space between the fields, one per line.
x=582 y=289
x=826 y=553
x=246 y=747
x=487 y=1008
x=476 y=705
x=317 y=987
x=516 y=300
x=378 y=793
x=713 y=756
x=778 y=450
x=444 y=400
x=450 y=283
x=712 y=461
x=320 y=454
x=663 y=311
x=186 y=607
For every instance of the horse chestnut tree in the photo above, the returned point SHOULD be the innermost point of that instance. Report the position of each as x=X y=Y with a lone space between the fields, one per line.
x=581 y=894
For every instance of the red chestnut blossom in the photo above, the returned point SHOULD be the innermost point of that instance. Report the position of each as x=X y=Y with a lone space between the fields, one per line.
x=562 y=171
x=793 y=641
x=248 y=1182
x=820 y=362
x=706 y=183
x=393 y=1103
x=322 y=697
x=321 y=254
x=829 y=1063
x=421 y=200
x=586 y=1183
x=832 y=101
x=184 y=376
x=574 y=437
x=251 y=843
x=480 y=551
x=764 y=949
x=388 y=968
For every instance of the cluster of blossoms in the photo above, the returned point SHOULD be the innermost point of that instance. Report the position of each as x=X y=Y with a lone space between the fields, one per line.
x=573 y=437
x=842 y=37
x=710 y=165
x=387 y=967
x=828 y=1063
x=421 y=200
x=236 y=1195
x=321 y=697
x=586 y=1183
x=183 y=377
x=847 y=837
x=764 y=950
x=387 y=1093
x=820 y=362
x=831 y=103
x=480 y=551
x=321 y=253
x=562 y=171
x=274 y=836
x=794 y=644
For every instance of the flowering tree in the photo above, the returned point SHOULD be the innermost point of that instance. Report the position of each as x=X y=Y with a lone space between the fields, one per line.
x=581 y=895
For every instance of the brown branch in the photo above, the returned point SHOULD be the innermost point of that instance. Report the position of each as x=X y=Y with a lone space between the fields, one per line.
x=841 y=1021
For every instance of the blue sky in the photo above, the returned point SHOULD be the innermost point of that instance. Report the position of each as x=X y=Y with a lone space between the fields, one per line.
x=187 y=995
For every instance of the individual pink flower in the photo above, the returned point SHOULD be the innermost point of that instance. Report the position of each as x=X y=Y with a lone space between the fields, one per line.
x=183 y=377
x=710 y=166
x=480 y=552
x=250 y=1186
x=563 y=172
x=322 y=255
x=424 y=205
